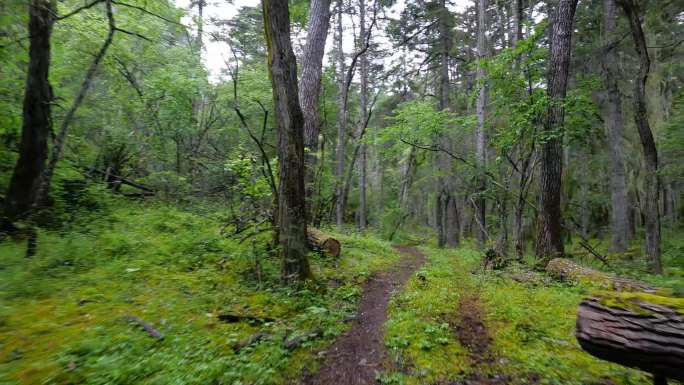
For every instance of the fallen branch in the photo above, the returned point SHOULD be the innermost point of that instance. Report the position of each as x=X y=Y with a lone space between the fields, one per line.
x=251 y=340
x=233 y=318
x=148 y=327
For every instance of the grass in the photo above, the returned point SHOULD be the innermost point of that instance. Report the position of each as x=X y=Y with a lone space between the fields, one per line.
x=531 y=325
x=62 y=313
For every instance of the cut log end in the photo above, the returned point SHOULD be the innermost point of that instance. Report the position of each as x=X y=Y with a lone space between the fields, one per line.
x=638 y=330
x=321 y=241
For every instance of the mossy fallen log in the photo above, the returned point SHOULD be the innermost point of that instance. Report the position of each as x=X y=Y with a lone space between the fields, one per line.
x=567 y=270
x=638 y=330
x=318 y=240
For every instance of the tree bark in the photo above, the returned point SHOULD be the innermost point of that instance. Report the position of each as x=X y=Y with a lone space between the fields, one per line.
x=549 y=241
x=650 y=152
x=452 y=222
x=443 y=224
x=310 y=87
x=341 y=120
x=282 y=67
x=516 y=28
x=640 y=330
x=37 y=122
x=480 y=145
x=614 y=126
x=363 y=73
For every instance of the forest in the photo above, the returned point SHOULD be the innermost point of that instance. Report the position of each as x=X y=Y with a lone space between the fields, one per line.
x=312 y=192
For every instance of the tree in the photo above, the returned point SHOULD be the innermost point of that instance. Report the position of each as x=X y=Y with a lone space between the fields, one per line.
x=614 y=125
x=290 y=120
x=310 y=86
x=343 y=89
x=312 y=62
x=37 y=121
x=480 y=140
x=549 y=241
x=650 y=152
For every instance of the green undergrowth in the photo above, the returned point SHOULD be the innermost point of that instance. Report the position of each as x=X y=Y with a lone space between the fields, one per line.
x=418 y=335
x=531 y=325
x=62 y=312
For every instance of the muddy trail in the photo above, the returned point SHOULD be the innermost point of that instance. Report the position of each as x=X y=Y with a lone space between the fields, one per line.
x=359 y=354
x=472 y=333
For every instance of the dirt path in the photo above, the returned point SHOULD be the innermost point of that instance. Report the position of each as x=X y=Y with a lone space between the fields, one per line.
x=359 y=353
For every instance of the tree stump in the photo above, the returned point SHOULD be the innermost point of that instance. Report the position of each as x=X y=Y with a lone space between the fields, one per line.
x=321 y=241
x=638 y=330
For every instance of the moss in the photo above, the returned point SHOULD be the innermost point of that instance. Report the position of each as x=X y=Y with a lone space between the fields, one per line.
x=62 y=311
x=633 y=301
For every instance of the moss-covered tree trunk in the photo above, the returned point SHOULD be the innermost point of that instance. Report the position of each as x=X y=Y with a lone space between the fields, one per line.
x=282 y=67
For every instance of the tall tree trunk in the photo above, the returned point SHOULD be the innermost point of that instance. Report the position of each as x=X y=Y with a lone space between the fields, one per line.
x=614 y=126
x=446 y=223
x=549 y=241
x=310 y=87
x=341 y=120
x=363 y=73
x=282 y=67
x=37 y=123
x=480 y=148
x=650 y=152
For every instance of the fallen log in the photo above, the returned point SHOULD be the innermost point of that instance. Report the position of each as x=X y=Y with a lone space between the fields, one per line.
x=638 y=330
x=567 y=270
x=321 y=241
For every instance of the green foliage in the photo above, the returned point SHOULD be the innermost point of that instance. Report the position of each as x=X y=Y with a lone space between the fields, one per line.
x=61 y=318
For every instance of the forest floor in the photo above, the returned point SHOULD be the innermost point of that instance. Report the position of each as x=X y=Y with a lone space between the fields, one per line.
x=417 y=315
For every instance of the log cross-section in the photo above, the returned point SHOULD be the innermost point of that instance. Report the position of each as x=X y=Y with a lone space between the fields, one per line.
x=637 y=330
x=321 y=241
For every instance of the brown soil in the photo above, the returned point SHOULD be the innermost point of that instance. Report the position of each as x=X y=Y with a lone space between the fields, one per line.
x=359 y=354
x=473 y=334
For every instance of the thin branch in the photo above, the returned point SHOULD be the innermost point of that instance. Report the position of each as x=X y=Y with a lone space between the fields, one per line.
x=79 y=9
x=132 y=34
x=143 y=10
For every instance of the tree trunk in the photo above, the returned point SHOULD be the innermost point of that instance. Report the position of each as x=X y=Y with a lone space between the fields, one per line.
x=310 y=86
x=549 y=241
x=614 y=126
x=443 y=160
x=341 y=120
x=480 y=146
x=516 y=32
x=650 y=152
x=363 y=73
x=451 y=226
x=282 y=67
x=37 y=123
x=634 y=329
